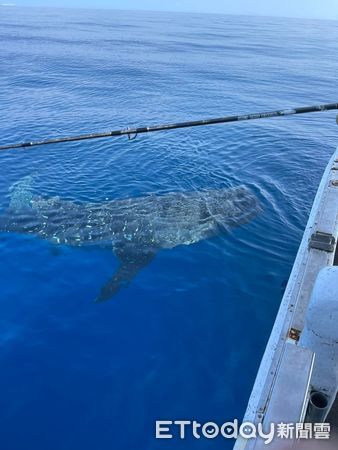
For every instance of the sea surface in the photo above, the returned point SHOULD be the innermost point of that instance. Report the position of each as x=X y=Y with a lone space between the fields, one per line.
x=185 y=339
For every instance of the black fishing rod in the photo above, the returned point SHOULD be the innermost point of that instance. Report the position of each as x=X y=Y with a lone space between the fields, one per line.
x=133 y=132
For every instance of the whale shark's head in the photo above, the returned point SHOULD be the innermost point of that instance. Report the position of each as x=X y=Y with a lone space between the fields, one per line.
x=232 y=207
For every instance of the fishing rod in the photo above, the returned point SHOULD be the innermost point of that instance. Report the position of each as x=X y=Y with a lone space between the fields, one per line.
x=133 y=132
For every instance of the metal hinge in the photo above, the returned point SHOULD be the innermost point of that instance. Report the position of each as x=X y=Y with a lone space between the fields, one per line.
x=322 y=241
x=294 y=334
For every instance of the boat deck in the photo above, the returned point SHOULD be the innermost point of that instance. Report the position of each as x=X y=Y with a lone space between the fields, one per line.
x=284 y=380
x=332 y=419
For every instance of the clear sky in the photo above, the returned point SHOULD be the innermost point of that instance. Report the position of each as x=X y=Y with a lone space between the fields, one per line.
x=326 y=9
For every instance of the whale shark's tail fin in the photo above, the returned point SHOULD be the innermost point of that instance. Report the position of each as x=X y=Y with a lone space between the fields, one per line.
x=20 y=197
x=131 y=262
x=21 y=194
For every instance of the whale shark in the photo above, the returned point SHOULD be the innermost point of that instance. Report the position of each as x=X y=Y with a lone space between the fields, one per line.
x=135 y=229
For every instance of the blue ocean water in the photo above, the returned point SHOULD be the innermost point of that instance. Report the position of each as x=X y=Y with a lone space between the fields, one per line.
x=184 y=340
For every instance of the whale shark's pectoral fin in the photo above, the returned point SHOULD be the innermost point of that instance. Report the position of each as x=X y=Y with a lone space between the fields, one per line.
x=131 y=262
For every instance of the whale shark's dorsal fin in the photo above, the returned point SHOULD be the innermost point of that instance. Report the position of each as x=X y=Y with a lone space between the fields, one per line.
x=132 y=260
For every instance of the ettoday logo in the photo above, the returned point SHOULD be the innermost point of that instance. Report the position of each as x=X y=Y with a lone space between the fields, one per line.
x=181 y=429
x=165 y=429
